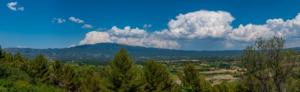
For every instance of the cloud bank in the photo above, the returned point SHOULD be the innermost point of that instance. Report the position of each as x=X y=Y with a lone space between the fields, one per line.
x=129 y=36
x=196 y=28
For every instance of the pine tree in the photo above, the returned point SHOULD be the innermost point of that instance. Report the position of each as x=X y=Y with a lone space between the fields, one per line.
x=55 y=72
x=92 y=80
x=62 y=75
x=39 y=68
x=8 y=58
x=124 y=74
x=68 y=78
x=20 y=61
x=157 y=78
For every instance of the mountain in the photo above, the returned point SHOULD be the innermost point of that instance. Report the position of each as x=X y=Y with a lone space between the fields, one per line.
x=296 y=49
x=106 y=51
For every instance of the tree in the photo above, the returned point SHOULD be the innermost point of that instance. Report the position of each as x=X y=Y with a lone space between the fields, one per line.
x=124 y=74
x=68 y=78
x=20 y=61
x=157 y=78
x=39 y=68
x=256 y=66
x=92 y=80
x=8 y=58
x=193 y=81
x=1 y=53
x=55 y=72
x=248 y=83
x=270 y=63
x=62 y=75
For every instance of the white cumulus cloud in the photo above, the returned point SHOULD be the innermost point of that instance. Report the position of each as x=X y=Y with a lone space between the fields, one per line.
x=87 y=26
x=14 y=6
x=128 y=36
x=250 y=32
x=201 y=26
x=288 y=29
x=96 y=37
x=58 y=20
x=76 y=20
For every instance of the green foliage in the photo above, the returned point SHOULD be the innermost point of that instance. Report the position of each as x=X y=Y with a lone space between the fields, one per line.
x=248 y=83
x=55 y=73
x=40 y=87
x=62 y=75
x=267 y=65
x=20 y=61
x=92 y=80
x=8 y=58
x=157 y=78
x=39 y=68
x=124 y=75
x=192 y=80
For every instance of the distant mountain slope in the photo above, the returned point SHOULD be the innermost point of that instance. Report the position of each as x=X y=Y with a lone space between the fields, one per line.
x=106 y=51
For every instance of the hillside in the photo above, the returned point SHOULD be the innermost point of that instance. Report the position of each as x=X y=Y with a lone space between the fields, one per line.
x=106 y=51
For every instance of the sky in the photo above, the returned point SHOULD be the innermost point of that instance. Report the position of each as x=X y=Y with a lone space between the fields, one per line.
x=172 y=24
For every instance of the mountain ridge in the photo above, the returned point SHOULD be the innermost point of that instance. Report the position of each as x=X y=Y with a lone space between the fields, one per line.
x=106 y=51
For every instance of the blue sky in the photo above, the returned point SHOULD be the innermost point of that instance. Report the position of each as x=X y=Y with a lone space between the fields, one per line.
x=36 y=25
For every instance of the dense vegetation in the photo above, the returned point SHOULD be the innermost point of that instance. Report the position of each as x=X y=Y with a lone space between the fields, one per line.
x=267 y=67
